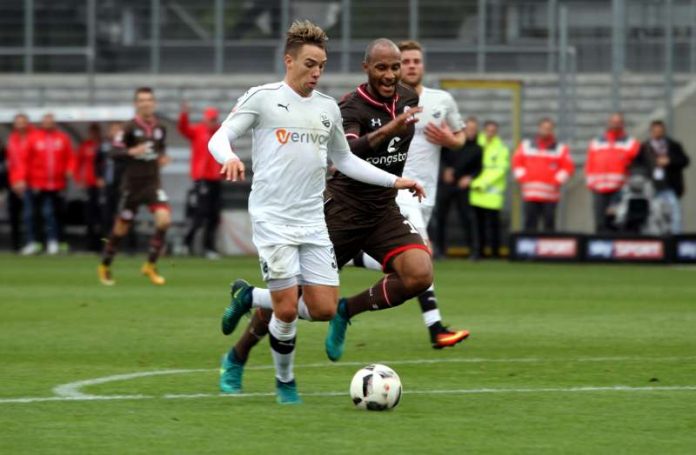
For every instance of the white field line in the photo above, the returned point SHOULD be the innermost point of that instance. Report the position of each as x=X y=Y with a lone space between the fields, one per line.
x=72 y=391
x=615 y=388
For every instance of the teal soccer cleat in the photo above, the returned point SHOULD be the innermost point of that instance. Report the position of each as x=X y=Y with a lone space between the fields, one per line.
x=336 y=337
x=231 y=375
x=286 y=392
x=238 y=307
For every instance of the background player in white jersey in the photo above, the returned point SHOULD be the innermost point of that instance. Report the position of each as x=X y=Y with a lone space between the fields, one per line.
x=295 y=129
x=440 y=125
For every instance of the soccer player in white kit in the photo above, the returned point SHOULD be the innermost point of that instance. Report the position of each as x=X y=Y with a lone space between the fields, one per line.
x=440 y=125
x=295 y=129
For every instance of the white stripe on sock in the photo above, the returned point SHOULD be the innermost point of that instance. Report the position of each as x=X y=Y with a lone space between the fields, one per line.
x=431 y=317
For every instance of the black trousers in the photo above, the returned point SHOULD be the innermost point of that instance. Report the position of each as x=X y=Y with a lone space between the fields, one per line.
x=203 y=211
x=603 y=221
x=14 y=209
x=447 y=195
x=539 y=211
x=487 y=232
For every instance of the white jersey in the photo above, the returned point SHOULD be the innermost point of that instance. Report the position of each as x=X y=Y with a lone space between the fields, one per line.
x=291 y=138
x=423 y=161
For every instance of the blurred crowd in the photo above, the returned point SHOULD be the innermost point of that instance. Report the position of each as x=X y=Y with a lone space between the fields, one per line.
x=635 y=187
x=38 y=162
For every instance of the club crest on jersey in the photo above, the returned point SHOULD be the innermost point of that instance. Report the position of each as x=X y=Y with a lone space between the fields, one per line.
x=392 y=147
x=157 y=134
x=325 y=120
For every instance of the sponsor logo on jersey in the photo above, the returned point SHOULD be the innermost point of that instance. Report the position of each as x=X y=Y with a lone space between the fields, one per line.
x=387 y=160
x=158 y=134
x=284 y=136
x=437 y=114
x=284 y=106
x=375 y=122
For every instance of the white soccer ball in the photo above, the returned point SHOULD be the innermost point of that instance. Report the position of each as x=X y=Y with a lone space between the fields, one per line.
x=375 y=388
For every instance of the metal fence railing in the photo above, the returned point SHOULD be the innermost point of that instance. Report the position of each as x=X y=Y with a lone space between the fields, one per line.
x=226 y=36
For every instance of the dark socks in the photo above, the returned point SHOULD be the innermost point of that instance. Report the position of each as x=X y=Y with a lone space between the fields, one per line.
x=386 y=293
x=427 y=301
x=254 y=332
x=156 y=244
x=110 y=249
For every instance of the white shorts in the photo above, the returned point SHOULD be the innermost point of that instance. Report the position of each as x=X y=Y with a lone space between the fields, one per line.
x=295 y=255
x=417 y=213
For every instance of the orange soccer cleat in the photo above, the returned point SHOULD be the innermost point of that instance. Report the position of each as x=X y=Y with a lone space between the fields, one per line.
x=447 y=338
x=150 y=270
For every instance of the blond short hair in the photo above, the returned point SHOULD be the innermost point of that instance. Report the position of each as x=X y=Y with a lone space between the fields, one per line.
x=303 y=32
x=410 y=45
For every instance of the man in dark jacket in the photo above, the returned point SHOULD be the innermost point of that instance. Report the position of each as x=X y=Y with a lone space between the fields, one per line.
x=459 y=167
x=663 y=160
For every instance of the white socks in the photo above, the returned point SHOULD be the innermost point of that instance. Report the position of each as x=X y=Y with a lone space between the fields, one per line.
x=261 y=298
x=282 y=336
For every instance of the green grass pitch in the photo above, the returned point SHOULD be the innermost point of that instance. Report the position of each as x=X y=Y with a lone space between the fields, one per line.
x=562 y=359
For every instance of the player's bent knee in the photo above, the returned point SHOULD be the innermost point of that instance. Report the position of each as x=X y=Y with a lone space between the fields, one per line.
x=418 y=281
x=286 y=313
x=323 y=312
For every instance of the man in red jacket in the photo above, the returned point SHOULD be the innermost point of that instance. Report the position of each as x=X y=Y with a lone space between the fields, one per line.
x=606 y=168
x=541 y=165
x=49 y=162
x=203 y=207
x=86 y=176
x=15 y=155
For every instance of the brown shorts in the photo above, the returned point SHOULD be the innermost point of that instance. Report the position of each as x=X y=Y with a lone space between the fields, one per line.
x=383 y=239
x=133 y=196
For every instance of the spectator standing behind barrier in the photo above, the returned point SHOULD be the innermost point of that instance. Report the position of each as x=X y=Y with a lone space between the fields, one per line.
x=458 y=169
x=606 y=168
x=87 y=176
x=663 y=160
x=541 y=165
x=487 y=193
x=49 y=162
x=15 y=160
x=203 y=205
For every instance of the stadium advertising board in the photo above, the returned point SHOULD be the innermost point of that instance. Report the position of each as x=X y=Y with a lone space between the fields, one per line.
x=684 y=249
x=626 y=249
x=547 y=248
